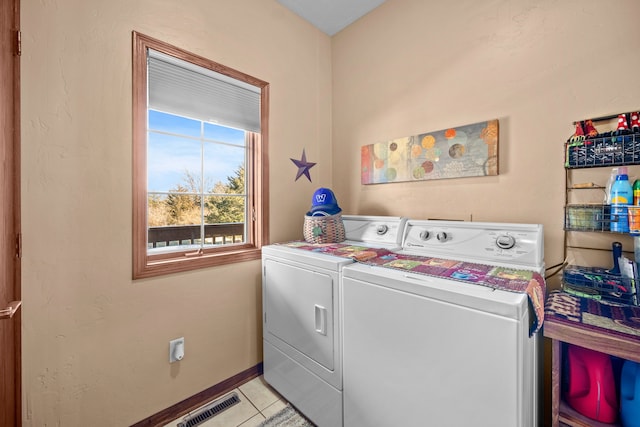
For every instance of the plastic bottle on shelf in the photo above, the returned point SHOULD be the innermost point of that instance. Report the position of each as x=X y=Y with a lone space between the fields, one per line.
x=634 y=211
x=621 y=198
x=607 y=191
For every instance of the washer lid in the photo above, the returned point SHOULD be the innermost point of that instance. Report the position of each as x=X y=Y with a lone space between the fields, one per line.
x=482 y=298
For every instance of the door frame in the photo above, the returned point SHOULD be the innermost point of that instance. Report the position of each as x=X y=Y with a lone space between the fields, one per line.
x=10 y=245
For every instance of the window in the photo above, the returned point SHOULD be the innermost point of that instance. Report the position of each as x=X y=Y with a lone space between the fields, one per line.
x=200 y=194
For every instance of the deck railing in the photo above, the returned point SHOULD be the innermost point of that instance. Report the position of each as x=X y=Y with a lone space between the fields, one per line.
x=172 y=235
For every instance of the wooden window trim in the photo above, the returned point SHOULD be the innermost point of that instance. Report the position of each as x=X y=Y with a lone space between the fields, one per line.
x=145 y=265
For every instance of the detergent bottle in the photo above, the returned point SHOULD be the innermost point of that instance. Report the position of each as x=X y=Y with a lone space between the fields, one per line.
x=591 y=385
x=621 y=198
x=630 y=394
x=607 y=191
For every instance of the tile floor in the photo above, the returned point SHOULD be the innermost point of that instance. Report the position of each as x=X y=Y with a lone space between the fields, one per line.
x=258 y=401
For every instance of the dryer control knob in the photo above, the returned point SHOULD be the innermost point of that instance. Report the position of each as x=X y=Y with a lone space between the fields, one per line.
x=424 y=235
x=382 y=229
x=505 y=241
x=443 y=236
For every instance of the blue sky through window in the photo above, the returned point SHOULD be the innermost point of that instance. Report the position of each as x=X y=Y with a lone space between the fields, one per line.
x=169 y=157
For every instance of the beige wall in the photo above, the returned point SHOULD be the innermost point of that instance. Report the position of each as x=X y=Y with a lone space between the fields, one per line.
x=95 y=343
x=413 y=66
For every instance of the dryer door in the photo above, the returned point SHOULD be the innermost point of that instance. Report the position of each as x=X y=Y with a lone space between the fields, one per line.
x=299 y=311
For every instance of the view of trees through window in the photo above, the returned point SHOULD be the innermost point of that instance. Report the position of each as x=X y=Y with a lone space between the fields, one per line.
x=196 y=172
x=183 y=204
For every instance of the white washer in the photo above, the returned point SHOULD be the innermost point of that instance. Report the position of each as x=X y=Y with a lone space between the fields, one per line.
x=427 y=350
x=302 y=333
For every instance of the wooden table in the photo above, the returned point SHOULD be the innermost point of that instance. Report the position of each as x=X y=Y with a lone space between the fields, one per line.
x=584 y=323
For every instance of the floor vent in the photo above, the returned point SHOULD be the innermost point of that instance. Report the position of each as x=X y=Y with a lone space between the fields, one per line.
x=210 y=411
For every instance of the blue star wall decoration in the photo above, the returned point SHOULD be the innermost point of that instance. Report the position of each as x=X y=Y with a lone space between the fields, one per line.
x=303 y=166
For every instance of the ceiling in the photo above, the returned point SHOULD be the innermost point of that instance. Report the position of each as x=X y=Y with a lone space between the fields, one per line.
x=331 y=16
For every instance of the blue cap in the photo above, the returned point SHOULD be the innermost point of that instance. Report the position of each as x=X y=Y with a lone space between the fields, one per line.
x=324 y=202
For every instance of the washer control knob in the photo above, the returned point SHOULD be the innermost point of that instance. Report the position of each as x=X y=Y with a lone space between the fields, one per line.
x=424 y=235
x=382 y=229
x=505 y=241
x=443 y=236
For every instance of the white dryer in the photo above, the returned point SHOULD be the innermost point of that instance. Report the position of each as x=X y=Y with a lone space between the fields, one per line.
x=302 y=336
x=439 y=350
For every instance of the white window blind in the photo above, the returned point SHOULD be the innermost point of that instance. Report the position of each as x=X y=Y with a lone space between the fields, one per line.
x=188 y=90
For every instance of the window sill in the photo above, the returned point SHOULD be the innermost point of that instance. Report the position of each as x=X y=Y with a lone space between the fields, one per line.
x=159 y=265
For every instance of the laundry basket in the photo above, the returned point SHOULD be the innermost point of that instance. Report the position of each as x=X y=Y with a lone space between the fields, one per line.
x=323 y=229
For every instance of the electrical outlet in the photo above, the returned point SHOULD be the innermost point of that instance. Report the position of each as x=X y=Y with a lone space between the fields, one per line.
x=176 y=350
